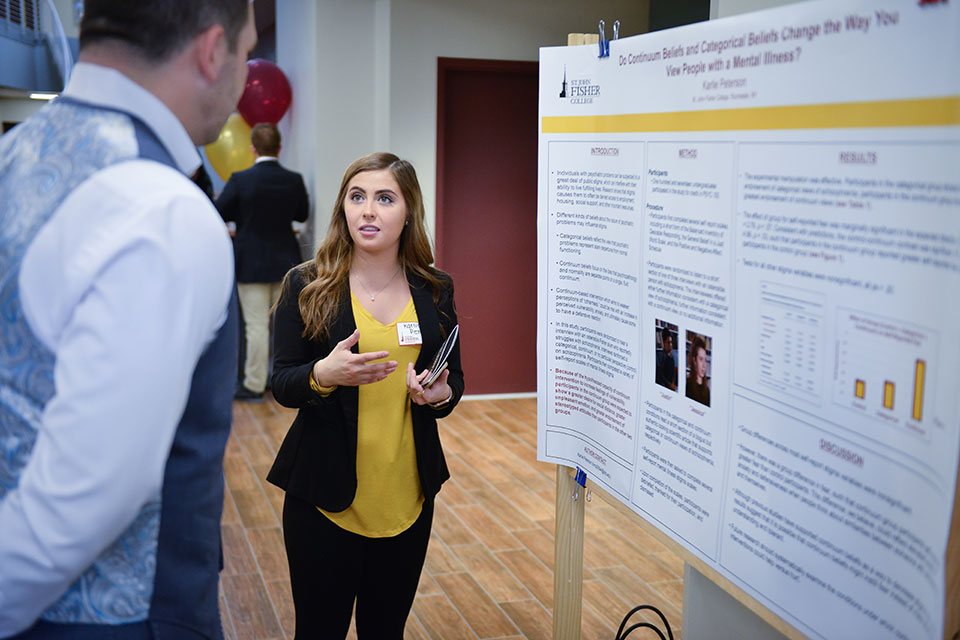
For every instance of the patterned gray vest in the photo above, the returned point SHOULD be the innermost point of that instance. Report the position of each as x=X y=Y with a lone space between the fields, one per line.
x=163 y=569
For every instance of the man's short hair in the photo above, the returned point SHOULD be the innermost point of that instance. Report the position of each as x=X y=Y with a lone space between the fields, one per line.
x=159 y=28
x=265 y=138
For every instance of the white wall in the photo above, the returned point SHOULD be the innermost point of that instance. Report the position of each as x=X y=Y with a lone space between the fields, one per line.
x=329 y=52
x=296 y=56
x=17 y=109
x=364 y=72
x=65 y=11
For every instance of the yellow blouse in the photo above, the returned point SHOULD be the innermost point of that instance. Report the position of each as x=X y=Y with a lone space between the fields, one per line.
x=388 y=497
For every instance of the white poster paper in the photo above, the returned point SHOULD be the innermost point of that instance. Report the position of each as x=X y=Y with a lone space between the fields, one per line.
x=749 y=249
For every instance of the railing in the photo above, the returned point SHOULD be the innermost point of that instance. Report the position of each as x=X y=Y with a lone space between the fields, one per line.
x=19 y=19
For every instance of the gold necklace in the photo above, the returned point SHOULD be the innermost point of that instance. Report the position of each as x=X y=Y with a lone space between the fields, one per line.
x=373 y=296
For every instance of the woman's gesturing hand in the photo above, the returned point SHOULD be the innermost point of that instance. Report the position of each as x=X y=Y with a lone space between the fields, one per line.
x=345 y=368
x=437 y=392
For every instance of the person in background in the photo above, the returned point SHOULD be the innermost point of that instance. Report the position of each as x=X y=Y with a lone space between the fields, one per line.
x=356 y=329
x=263 y=201
x=698 y=386
x=118 y=349
x=666 y=370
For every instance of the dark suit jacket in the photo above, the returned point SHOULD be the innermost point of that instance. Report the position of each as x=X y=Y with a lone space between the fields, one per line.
x=317 y=461
x=263 y=200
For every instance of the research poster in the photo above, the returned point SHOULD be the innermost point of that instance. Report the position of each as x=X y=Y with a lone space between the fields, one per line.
x=749 y=298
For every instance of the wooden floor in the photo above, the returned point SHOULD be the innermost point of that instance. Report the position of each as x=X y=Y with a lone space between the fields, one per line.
x=489 y=568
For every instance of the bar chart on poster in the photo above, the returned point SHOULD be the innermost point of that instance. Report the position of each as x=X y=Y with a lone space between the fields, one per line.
x=749 y=268
x=883 y=366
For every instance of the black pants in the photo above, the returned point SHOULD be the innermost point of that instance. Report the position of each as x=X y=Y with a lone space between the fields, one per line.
x=331 y=567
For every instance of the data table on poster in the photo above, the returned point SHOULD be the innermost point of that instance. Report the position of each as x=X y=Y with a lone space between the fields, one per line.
x=790 y=330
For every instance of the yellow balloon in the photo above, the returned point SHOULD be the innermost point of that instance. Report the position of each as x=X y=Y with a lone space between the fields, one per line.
x=231 y=151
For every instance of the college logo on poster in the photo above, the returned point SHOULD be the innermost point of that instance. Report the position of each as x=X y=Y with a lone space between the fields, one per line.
x=579 y=90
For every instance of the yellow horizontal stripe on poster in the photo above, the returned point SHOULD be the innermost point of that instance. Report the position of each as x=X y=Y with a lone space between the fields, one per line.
x=923 y=112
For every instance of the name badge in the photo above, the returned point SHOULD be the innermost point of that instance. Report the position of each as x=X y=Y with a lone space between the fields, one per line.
x=408 y=333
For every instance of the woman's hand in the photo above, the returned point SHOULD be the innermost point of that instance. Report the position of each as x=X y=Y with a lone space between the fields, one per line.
x=437 y=392
x=345 y=368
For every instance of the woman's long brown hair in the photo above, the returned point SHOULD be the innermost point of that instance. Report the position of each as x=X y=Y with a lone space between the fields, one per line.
x=328 y=272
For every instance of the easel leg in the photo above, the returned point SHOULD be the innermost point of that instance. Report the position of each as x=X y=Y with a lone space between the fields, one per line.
x=568 y=558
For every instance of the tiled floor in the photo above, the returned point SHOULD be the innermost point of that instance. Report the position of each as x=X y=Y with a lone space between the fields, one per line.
x=489 y=568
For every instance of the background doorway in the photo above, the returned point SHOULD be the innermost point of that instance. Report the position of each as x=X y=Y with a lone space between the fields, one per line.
x=487 y=124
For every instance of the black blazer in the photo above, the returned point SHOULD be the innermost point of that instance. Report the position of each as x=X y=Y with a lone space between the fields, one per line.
x=317 y=461
x=263 y=200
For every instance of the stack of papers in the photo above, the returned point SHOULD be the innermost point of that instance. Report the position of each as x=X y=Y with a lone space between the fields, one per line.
x=440 y=360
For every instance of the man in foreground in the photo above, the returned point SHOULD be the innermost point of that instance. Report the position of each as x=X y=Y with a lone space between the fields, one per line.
x=118 y=349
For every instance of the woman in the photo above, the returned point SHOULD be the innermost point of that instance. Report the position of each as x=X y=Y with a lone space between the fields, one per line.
x=697 y=386
x=362 y=462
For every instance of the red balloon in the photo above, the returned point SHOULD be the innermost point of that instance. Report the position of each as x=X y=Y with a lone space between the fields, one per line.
x=267 y=94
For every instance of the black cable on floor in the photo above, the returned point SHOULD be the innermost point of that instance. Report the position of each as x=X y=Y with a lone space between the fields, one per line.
x=621 y=634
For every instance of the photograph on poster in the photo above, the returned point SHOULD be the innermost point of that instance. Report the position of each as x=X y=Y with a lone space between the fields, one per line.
x=666 y=363
x=698 y=367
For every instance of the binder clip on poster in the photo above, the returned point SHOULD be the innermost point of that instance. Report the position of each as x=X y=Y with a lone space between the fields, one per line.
x=604 y=43
x=580 y=480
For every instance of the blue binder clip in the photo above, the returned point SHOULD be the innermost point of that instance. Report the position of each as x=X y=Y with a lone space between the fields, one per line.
x=581 y=477
x=604 y=43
